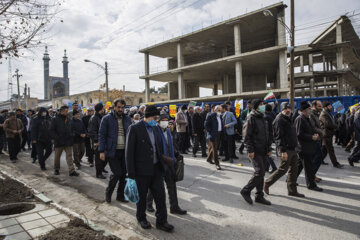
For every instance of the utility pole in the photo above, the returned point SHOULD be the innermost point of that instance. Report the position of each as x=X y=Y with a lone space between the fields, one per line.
x=106 y=81
x=25 y=97
x=18 y=86
x=292 y=39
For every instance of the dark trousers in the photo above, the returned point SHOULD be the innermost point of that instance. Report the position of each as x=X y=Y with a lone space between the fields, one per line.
x=118 y=169
x=328 y=148
x=257 y=181
x=305 y=162
x=351 y=143
x=78 y=152
x=24 y=138
x=89 y=151
x=171 y=188
x=318 y=157
x=213 y=150
x=156 y=185
x=28 y=139
x=2 y=141
x=355 y=153
x=33 y=151
x=99 y=164
x=228 y=146
x=43 y=150
x=270 y=162
x=291 y=166
x=14 y=147
x=183 y=142
x=199 y=139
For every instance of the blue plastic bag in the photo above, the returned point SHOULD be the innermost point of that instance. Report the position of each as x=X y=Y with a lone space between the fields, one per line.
x=131 y=191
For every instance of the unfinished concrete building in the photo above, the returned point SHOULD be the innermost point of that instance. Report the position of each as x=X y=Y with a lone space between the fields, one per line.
x=244 y=57
x=330 y=64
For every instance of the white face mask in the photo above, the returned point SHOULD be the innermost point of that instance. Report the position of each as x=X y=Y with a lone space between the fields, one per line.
x=136 y=121
x=218 y=113
x=164 y=124
x=43 y=114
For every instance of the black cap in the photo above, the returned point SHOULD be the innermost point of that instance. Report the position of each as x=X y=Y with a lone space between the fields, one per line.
x=304 y=105
x=255 y=103
x=163 y=116
x=99 y=107
x=151 y=111
x=75 y=111
x=183 y=107
x=285 y=105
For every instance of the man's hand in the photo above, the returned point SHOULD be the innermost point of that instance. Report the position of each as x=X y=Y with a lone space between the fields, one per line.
x=227 y=126
x=96 y=145
x=315 y=137
x=251 y=155
x=83 y=135
x=284 y=156
x=102 y=156
x=14 y=131
x=270 y=153
x=19 y=131
x=195 y=134
x=34 y=141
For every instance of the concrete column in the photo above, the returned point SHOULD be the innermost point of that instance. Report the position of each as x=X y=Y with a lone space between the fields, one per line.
x=180 y=57
x=338 y=33
x=225 y=85
x=339 y=61
x=224 y=52
x=302 y=89
x=283 y=76
x=301 y=63
x=147 y=80
x=311 y=63
x=181 y=86
x=238 y=77
x=281 y=32
x=324 y=63
x=325 y=91
x=215 y=89
x=312 y=88
x=237 y=39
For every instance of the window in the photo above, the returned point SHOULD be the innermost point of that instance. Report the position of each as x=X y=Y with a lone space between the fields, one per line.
x=140 y=100
x=90 y=100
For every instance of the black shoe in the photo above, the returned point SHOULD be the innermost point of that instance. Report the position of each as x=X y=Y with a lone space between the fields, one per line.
x=108 y=197
x=56 y=172
x=74 y=174
x=121 y=199
x=316 y=189
x=150 y=208
x=1 y=153
x=351 y=162
x=78 y=167
x=246 y=196
x=43 y=168
x=178 y=211
x=165 y=227
x=225 y=159
x=91 y=165
x=144 y=224
x=262 y=200
x=324 y=163
x=194 y=155
x=34 y=160
x=339 y=165
x=218 y=167
x=105 y=171
x=204 y=155
x=231 y=160
x=211 y=162
x=100 y=176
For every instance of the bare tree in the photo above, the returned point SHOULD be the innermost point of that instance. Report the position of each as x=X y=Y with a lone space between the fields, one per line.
x=23 y=24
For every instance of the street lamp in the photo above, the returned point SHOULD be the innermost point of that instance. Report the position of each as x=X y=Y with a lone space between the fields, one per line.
x=106 y=75
x=291 y=32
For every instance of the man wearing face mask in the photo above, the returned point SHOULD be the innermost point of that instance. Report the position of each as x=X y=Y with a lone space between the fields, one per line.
x=112 y=141
x=170 y=175
x=93 y=132
x=40 y=135
x=136 y=118
x=145 y=164
x=329 y=127
x=213 y=128
x=285 y=137
x=258 y=144
x=306 y=147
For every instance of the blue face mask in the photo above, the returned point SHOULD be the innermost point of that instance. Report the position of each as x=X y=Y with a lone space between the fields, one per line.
x=152 y=123
x=262 y=108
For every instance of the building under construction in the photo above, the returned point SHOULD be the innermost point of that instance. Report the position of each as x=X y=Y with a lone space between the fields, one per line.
x=247 y=56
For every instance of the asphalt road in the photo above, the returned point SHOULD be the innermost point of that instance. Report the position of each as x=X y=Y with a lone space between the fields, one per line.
x=216 y=209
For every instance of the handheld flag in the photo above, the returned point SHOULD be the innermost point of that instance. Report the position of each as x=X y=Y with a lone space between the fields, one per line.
x=172 y=110
x=270 y=95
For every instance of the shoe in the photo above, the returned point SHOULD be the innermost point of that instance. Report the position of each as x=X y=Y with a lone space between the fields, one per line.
x=194 y=155
x=13 y=160
x=324 y=163
x=204 y=155
x=34 y=160
x=100 y=176
x=231 y=160
x=165 y=227
x=1 y=153
x=317 y=179
x=145 y=224
x=121 y=199
x=339 y=165
x=91 y=165
x=43 y=168
x=211 y=162
x=150 y=209
x=266 y=189
x=105 y=171
x=108 y=197
x=78 y=167
x=178 y=211
x=225 y=159
x=247 y=197
x=262 y=200
x=317 y=189
x=218 y=167
x=272 y=171
x=74 y=174
x=56 y=172
x=296 y=194
x=351 y=162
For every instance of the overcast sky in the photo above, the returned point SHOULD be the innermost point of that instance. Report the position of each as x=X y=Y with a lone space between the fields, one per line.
x=115 y=30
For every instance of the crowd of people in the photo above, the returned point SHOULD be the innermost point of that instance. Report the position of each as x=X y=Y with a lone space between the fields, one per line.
x=145 y=144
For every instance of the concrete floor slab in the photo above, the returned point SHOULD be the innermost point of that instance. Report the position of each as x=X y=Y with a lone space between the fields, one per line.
x=8 y=222
x=20 y=236
x=40 y=231
x=27 y=218
x=57 y=218
x=48 y=213
x=34 y=224
x=11 y=230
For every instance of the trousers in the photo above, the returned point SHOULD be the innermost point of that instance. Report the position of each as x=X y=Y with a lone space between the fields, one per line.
x=43 y=156
x=79 y=151
x=199 y=139
x=257 y=180
x=328 y=148
x=68 y=155
x=306 y=162
x=14 y=146
x=118 y=169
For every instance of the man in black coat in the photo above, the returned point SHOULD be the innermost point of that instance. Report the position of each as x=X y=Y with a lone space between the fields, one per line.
x=79 y=137
x=2 y=132
x=93 y=132
x=144 y=163
x=20 y=115
x=355 y=154
x=61 y=131
x=306 y=147
x=257 y=142
x=40 y=135
x=213 y=128
x=198 y=132
x=88 y=149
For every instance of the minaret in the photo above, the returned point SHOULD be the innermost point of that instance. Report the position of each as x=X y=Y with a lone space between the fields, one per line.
x=46 y=59
x=65 y=63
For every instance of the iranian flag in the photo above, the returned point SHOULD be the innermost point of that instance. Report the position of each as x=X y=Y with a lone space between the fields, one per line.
x=270 y=95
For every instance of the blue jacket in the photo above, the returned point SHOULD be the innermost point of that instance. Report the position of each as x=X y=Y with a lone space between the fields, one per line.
x=229 y=119
x=165 y=146
x=108 y=133
x=211 y=126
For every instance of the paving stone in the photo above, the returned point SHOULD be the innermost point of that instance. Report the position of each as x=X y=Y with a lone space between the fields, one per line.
x=60 y=224
x=20 y=236
x=34 y=224
x=11 y=230
x=43 y=198
x=8 y=222
x=48 y=213
x=57 y=218
x=40 y=231
x=28 y=218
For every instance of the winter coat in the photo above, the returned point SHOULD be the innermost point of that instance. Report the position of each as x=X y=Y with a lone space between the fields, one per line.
x=284 y=133
x=182 y=122
x=78 y=129
x=327 y=124
x=61 y=131
x=304 y=132
x=40 y=127
x=315 y=121
x=93 y=128
x=198 y=124
x=211 y=126
x=12 y=124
